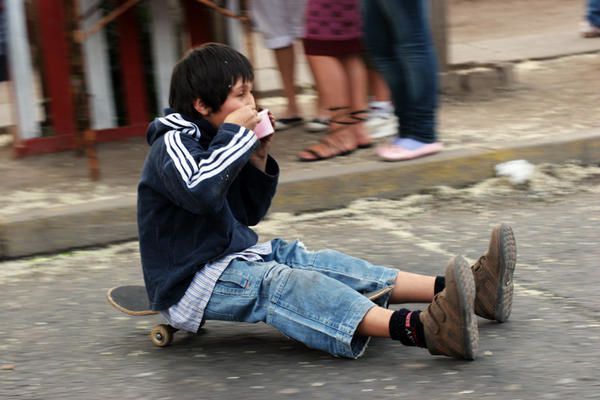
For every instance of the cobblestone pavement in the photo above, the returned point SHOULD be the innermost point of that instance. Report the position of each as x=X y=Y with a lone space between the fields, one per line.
x=60 y=339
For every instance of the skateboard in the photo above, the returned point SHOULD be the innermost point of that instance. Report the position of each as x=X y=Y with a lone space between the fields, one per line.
x=133 y=300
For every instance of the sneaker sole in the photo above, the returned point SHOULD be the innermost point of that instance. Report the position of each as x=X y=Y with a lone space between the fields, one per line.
x=391 y=152
x=466 y=285
x=508 y=259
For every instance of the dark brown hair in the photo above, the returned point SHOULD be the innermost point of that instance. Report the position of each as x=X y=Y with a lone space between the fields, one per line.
x=207 y=72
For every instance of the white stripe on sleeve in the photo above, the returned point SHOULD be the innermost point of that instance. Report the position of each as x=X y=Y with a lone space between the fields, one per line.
x=180 y=158
x=226 y=159
x=192 y=173
x=174 y=156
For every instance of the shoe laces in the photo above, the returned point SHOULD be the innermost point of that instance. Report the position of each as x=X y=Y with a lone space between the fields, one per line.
x=481 y=262
x=437 y=301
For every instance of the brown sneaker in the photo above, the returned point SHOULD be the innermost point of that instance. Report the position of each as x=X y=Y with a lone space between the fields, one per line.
x=493 y=274
x=449 y=322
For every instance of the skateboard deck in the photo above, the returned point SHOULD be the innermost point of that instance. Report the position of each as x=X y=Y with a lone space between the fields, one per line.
x=133 y=300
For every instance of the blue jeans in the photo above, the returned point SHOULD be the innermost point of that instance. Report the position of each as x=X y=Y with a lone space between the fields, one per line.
x=313 y=297
x=398 y=39
x=593 y=12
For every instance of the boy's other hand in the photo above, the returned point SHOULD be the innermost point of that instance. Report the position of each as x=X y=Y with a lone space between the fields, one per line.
x=246 y=116
x=260 y=155
x=272 y=118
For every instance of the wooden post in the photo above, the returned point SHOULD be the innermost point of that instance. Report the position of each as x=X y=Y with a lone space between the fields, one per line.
x=439 y=30
x=55 y=54
x=199 y=22
x=86 y=138
x=132 y=67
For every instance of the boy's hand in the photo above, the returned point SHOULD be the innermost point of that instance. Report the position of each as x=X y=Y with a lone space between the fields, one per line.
x=260 y=155
x=272 y=118
x=246 y=116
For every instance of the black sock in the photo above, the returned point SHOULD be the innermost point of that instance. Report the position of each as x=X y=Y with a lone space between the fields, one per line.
x=406 y=326
x=439 y=285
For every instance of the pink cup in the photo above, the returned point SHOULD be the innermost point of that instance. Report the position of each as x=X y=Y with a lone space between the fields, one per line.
x=264 y=127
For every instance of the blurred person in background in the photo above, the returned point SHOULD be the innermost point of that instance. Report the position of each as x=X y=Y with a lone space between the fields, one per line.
x=399 y=42
x=590 y=27
x=333 y=48
x=382 y=122
x=281 y=22
x=3 y=49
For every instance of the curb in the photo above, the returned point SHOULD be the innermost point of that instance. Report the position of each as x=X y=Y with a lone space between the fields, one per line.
x=67 y=227
x=339 y=186
x=108 y=221
x=477 y=79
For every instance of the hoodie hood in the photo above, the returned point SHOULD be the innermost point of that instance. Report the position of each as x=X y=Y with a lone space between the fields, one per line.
x=201 y=130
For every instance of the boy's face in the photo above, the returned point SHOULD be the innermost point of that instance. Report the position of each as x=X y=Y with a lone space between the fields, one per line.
x=239 y=96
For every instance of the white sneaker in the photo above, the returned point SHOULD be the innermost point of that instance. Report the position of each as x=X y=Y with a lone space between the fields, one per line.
x=285 y=123
x=381 y=124
x=318 y=124
x=588 y=30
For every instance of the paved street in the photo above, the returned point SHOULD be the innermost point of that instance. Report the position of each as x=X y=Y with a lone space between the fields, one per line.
x=59 y=339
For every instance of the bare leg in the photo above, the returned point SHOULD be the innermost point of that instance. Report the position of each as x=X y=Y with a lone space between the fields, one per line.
x=286 y=63
x=317 y=65
x=408 y=288
x=357 y=78
x=413 y=288
x=357 y=75
x=321 y=111
x=330 y=79
x=376 y=322
x=333 y=86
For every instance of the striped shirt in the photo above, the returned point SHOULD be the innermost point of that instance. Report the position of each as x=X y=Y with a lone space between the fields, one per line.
x=188 y=313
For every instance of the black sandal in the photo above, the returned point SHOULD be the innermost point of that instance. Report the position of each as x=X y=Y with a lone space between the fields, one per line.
x=328 y=141
x=354 y=115
x=330 y=144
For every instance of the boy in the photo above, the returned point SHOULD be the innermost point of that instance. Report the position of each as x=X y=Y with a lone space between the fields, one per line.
x=207 y=178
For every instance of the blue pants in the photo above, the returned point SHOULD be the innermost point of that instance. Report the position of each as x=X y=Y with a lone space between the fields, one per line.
x=593 y=12
x=399 y=42
x=313 y=297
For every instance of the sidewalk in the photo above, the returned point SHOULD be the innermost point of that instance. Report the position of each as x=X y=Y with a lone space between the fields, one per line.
x=525 y=47
x=49 y=204
x=515 y=30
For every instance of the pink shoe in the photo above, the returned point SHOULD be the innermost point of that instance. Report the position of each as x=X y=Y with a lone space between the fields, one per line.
x=394 y=152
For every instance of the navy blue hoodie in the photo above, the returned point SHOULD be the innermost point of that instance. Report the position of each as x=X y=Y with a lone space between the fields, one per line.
x=196 y=198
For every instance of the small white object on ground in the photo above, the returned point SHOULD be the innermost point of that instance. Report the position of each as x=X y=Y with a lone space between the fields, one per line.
x=517 y=171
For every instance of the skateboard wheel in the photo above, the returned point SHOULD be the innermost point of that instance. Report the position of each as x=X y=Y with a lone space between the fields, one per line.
x=162 y=335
